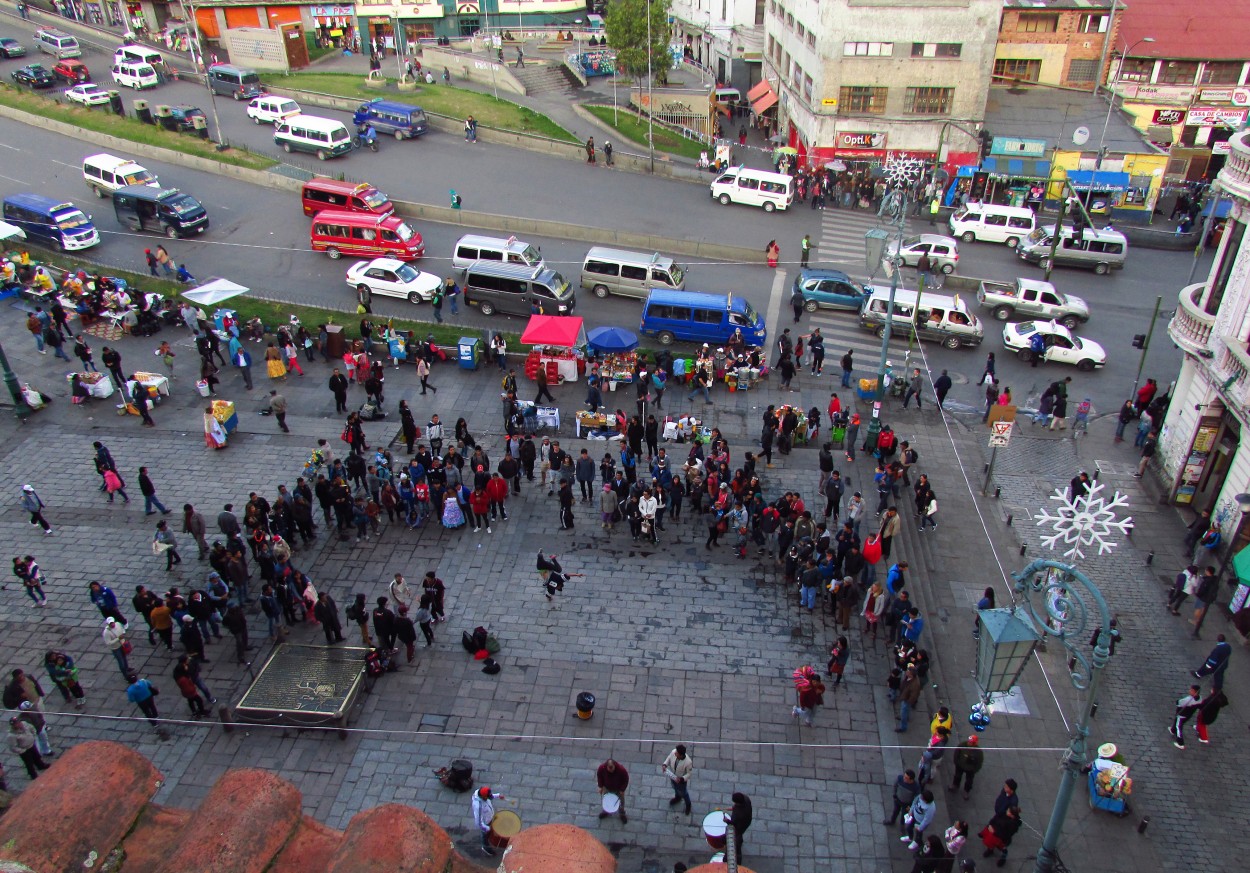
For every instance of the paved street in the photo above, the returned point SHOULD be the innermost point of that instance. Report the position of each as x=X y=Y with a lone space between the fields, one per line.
x=678 y=644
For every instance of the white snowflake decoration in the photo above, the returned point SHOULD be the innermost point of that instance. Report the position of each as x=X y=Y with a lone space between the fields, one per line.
x=901 y=172
x=1086 y=521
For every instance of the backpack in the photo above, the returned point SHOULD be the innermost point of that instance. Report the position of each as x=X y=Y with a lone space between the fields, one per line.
x=354 y=612
x=346 y=435
x=474 y=642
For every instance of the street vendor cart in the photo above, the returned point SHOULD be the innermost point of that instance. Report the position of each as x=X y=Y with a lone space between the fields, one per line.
x=559 y=346
x=1109 y=782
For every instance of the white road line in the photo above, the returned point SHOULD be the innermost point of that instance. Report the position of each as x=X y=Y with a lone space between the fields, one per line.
x=5 y=145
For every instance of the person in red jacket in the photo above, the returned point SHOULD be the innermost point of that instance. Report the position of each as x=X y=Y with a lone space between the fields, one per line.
x=497 y=491
x=479 y=503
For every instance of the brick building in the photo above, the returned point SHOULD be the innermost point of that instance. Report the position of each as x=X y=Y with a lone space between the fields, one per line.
x=1053 y=42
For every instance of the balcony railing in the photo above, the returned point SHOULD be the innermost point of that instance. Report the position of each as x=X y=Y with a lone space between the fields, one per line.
x=1232 y=364
x=1190 y=328
x=1235 y=176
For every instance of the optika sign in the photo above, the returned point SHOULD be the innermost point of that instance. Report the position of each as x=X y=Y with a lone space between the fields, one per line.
x=853 y=140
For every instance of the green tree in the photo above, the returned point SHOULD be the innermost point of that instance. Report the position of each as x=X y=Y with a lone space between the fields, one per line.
x=626 y=25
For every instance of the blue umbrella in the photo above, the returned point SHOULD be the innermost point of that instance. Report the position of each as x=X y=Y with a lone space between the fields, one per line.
x=612 y=339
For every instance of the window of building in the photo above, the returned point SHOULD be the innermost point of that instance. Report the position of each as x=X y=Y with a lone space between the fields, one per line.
x=861 y=98
x=1094 y=22
x=936 y=49
x=1219 y=281
x=723 y=5
x=796 y=77
x=772 y=43
x=1082 y=70
x=1135 y=69
x=1221 y=73
x=1019 y=69
x=802 y=31
x=928 y=101
x=1179 y=72
x=759 y=12
x=790 y=20
x=807 y=89
x=868 y=49
x=1037 y=22
x=811 y=39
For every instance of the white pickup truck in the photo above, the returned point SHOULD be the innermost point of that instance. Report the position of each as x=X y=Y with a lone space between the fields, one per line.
x=1032 y=298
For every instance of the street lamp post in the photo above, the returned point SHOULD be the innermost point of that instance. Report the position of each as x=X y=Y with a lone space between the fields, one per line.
x=20 y=408
x=1115 y=80
x=196 y=49
x=650 y=98
x=1243 y=506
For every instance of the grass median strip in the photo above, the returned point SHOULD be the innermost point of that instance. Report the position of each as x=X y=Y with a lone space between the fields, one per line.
x=441 y=99
x=127 y=128
x=634 y=129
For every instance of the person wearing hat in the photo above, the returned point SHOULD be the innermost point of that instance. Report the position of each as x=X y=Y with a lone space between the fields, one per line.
x=114 y=635
x=22 y=739
x=29 y=713
x=192 y=639
x=31 y=503
x=483 y=812
x=968 y=761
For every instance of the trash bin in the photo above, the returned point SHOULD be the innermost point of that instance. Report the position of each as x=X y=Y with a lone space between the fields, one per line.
x=334 y=342
x=470 y=352
x=585 y=705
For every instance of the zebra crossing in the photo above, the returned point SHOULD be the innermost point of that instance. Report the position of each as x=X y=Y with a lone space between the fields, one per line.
x=842 y=333
x=840 y=243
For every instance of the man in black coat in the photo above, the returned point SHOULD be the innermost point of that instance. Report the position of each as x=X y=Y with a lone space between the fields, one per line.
x=326 y=611
x=384 y=624
x=338 y=387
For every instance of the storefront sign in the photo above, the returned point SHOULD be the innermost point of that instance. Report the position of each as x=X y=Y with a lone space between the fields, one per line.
x=847 y=139
x=1163 y=93
x=829 y=101
x=1222 y=148
x=1209 y=116
x=1196 y=461
x=1169 y=116
x=335 y=10
x=1241 y=97
x=1216 y=95
x=1018 y=147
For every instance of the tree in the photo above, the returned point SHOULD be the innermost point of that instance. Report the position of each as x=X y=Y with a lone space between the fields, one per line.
x=626 y=25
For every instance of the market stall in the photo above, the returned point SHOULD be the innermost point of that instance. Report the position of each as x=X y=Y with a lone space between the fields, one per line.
x=613 y=350
x=223 y=411
x=597 y=425
x=559 y=343
x=97 y=384
x=153 y=381
x=800 y=432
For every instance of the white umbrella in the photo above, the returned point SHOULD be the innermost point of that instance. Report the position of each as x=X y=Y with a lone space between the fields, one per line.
x=10 y=231
x=214 y=292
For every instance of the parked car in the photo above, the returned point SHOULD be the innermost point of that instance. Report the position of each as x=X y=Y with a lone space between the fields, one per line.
x=392 y=278
x=943 y=251
x=89 y=94
x=1061 y=346
x=1032 y=297
x=184 y=115
x=829 y=289
x=71 y=72
x=33 y=76
x=11 y=48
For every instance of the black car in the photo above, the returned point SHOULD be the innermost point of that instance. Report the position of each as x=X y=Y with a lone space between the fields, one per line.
x=11 y=48
x=183 y=115
x=34 y=76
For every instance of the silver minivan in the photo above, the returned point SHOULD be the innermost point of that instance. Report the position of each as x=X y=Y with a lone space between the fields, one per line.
x=1099 y=250
x=472 y=248
x=57 y=43
x=629 y=274
x=515 y=289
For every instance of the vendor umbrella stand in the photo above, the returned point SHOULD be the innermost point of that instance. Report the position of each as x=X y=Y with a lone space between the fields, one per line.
x=611 y=339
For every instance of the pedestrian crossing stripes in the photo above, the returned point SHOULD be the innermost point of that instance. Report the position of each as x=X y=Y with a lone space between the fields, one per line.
x=841 y=332
x=840 y=244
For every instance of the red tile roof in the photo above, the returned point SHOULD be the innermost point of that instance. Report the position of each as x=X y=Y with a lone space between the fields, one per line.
x=96 y=800
x=1197 y=29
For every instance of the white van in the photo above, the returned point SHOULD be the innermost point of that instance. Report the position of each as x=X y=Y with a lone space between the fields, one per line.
x=938 y=317
x=138 y=54
x=57 y=43
x=323 y=137
x=135 y=75
x=105 y=173
x=754 y=188
x=990 y=222
x=471 y=248
x=729 y=97
x=268 y=109
x=629 y=274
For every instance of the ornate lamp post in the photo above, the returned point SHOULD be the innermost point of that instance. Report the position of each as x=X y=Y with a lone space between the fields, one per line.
x=900 y=174
x=1069 y=607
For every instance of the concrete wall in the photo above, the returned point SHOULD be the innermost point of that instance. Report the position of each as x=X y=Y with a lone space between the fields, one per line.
x=1054 y=50
x=475 y=68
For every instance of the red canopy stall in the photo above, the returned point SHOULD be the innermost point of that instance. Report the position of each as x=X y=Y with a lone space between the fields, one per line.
x=559 y=343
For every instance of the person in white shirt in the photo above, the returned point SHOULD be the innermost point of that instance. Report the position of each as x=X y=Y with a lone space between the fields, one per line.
x=483 y=812
x=678 y=767
x=401 y=591
x=647 y=506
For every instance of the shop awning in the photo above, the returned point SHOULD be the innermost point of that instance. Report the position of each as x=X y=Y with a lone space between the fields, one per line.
x=1241 y=564
x=762 y=97
x=214 y=292
x=1221 y=211
x=1016 y=168
x=1102 y=180
x=554 y=330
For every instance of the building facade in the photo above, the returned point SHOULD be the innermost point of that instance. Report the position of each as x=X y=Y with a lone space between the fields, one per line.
x=1201 y=454
x=861 y=80
x=1183 y=73
x=723 y=37
x=1053 y=42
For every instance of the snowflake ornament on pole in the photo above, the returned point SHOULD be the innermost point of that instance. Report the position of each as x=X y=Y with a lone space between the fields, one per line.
x=901 y=172
x=1087 y=520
